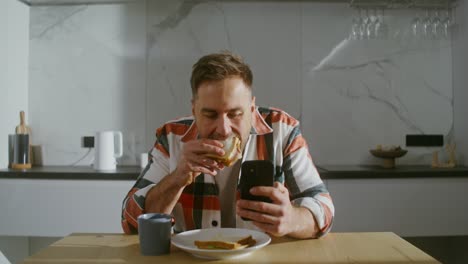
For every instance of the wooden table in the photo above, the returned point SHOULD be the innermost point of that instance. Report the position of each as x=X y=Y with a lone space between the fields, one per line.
x=333 y=248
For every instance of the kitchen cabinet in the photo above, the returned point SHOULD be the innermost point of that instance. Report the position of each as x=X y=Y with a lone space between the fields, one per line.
x=56 y=208
x=409 y=207
x=43 y=207
x=44 y=204
x=417 y=206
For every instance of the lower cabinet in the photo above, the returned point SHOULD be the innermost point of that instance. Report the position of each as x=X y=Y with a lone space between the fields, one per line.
x=410 y=207
x=56 y=208
x=36 y=213
x=15 y=248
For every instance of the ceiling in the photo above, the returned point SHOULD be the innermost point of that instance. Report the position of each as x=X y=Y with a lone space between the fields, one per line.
x=357 y=3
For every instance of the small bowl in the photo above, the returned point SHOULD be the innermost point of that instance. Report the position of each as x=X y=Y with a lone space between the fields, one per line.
x=388 y=156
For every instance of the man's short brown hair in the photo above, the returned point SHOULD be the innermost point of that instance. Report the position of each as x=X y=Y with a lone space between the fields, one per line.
x=219 y=66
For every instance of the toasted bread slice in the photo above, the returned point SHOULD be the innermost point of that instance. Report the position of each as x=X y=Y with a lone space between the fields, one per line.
x=216 y=244
x=232 y=149
x=249 y=241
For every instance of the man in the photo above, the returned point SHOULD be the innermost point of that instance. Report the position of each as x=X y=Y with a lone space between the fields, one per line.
x=200 y=192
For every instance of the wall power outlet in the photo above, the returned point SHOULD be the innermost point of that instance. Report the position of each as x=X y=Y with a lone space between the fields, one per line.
x=435 y=140
x=87 y=142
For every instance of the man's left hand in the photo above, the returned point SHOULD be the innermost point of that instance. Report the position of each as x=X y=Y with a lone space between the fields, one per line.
x=276 y=218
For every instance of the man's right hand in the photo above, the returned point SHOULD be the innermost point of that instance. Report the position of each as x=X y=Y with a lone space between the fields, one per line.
x=193 y=161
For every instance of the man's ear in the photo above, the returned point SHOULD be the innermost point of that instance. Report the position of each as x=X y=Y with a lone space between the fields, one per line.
x=193 y=107
x=252 y=104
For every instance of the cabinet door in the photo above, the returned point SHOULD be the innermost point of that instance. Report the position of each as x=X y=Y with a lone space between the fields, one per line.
x=60 y=207
x=408 y=207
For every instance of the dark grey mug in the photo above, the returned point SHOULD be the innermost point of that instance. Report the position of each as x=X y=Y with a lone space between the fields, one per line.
x=154 y=231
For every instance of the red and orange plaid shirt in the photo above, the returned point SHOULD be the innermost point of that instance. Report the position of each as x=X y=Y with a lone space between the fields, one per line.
x=275 y=136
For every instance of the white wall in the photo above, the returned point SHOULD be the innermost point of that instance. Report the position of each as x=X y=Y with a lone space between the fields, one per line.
x=460 y=81
x=14 y=65
x=91 y=60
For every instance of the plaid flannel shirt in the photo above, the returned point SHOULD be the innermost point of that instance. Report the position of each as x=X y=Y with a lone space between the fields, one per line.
x=275 y=136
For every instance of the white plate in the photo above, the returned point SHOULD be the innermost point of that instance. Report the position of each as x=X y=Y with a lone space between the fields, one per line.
x=185 y=241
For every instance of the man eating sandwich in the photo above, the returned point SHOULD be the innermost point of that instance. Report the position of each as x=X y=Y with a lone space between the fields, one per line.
x=194 y=166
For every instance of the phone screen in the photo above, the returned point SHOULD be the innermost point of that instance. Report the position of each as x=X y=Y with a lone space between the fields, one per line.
x=255 y=173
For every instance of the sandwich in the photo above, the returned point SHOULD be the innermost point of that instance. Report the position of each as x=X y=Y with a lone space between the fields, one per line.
x=232 y=151
x=219 y=244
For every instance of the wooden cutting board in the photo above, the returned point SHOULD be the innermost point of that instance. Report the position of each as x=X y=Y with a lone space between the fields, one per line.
x=22 y=128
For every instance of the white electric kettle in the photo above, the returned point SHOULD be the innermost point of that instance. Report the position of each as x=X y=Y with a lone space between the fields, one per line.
x=108 y=147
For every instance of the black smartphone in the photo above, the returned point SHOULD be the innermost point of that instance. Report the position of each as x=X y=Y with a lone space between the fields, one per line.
x=255 y=173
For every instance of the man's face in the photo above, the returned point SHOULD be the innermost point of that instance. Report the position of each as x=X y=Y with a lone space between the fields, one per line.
x=223 y=107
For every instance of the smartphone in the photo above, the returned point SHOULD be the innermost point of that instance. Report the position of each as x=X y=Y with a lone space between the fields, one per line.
x=255 y=173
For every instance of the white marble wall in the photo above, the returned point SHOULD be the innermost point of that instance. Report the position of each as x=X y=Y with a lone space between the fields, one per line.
x=360 y=93
x=460 y=79
x=14 y=33
x=88 y=73
x=127 y=67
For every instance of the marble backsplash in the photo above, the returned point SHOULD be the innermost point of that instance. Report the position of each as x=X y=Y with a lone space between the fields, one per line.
x=127 y=67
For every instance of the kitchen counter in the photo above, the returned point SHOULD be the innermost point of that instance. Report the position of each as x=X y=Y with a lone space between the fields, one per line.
x=326 y=172
x=377 y=172
x=71 y=173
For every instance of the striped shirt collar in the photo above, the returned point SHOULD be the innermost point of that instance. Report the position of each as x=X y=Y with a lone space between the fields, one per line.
x=259 y=127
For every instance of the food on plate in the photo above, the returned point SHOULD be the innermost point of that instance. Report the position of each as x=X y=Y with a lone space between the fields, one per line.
x=219 y=244
x=232 y=151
